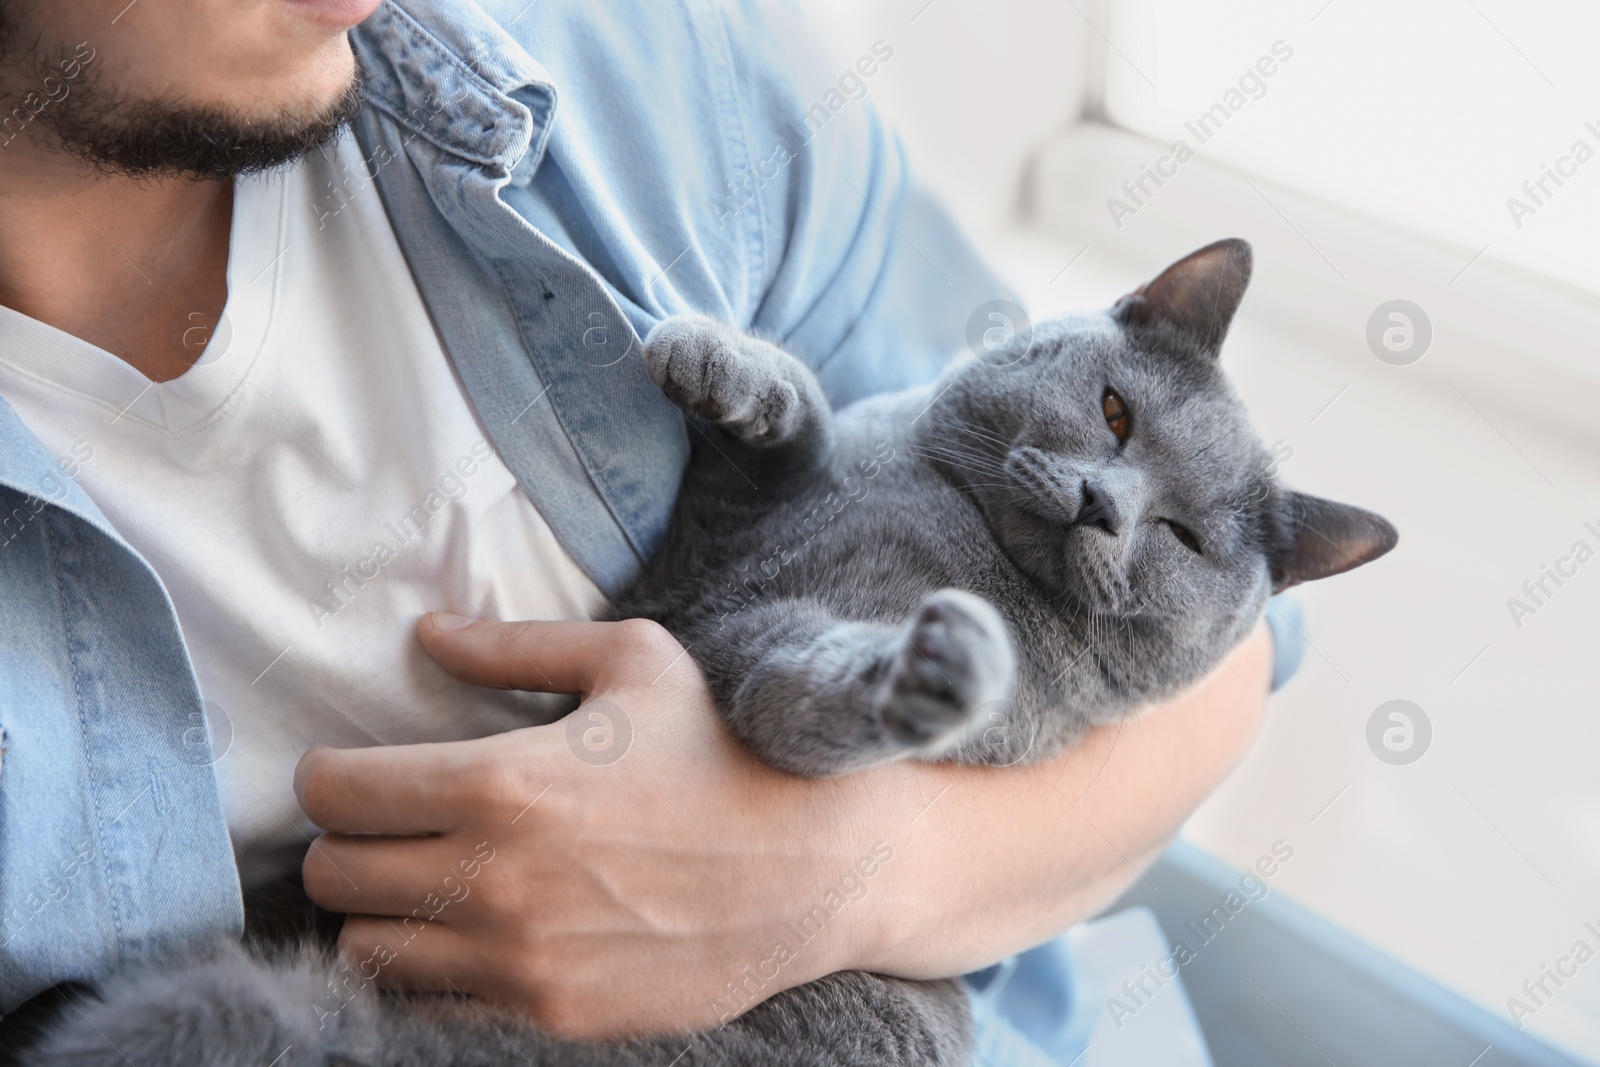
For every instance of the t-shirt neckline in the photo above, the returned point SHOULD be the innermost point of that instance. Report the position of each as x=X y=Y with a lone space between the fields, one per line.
x=255 y=261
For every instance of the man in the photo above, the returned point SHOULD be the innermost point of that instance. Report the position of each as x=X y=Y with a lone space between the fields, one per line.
x=277 y=389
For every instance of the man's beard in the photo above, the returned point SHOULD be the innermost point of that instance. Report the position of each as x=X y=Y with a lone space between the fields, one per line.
x=151 y=139
x=155 y=138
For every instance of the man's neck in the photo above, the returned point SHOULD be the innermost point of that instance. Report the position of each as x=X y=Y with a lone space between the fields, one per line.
x=138 y=268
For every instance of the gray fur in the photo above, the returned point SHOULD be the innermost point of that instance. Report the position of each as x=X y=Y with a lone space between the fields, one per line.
x=229 y=1008
x=977 y=571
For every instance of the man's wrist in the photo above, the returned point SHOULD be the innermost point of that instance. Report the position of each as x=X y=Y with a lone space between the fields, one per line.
x=885 y=900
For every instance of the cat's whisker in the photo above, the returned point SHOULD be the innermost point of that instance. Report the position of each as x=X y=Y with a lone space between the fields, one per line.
x=952 y=449
x=974 y=459
x=960 y=462
x=958 y=453
x=982 y=434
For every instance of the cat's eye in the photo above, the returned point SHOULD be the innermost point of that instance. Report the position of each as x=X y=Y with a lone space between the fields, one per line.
x=1117 y=415
x=1182 y=534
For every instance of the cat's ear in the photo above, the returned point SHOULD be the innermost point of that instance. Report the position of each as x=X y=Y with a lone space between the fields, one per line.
x=1198 y=295
x=1319 y=538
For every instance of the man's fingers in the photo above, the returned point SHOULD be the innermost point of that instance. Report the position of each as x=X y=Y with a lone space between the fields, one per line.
x=548 y=657
x=398 y=876
x=398 y=789
x=409 y=954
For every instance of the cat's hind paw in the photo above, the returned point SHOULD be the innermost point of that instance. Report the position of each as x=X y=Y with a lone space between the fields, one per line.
x=755 y=391
x=957 y=657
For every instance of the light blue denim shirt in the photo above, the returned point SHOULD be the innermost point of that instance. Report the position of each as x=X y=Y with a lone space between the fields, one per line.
x=703 y=156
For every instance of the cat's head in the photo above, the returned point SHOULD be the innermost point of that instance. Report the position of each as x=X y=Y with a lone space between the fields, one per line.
x=1118 y=469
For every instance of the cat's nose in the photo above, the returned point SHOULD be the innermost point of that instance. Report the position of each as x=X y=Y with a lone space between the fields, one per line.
x=1097 y=508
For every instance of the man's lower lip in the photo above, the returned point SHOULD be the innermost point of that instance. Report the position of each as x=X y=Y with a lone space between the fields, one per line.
x=341 y=13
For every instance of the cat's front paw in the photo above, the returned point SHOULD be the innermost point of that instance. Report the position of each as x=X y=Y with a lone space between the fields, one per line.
x=711 y=370
x=957 y=656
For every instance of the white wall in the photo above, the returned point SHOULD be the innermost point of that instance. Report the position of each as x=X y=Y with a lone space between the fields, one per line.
x=1430 y=113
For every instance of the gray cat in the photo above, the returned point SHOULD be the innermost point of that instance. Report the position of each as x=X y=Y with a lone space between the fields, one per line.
x=977 y=570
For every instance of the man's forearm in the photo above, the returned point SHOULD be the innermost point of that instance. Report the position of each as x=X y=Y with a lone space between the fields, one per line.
x=989 y=862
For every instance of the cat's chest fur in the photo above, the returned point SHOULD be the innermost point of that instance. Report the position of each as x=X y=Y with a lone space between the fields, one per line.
x=869 y=536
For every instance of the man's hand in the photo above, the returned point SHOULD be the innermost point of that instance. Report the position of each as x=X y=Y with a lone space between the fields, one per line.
x=561 y=879
x=538 y=869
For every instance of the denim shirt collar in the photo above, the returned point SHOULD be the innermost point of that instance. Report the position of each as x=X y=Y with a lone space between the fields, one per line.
x=463 y=84
x=459 y=118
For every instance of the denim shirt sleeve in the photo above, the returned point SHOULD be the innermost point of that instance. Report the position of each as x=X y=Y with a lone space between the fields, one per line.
x=721 y=160
x=863 y=273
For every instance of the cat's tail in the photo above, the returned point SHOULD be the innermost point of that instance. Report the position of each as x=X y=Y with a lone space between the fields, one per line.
x=220 y=1008
x=230 y=1008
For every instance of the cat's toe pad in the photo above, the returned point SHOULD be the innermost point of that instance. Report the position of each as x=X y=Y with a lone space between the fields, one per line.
x=957 y=656
x=708 y=369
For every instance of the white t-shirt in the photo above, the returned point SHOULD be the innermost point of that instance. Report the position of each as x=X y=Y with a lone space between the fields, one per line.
x=314 y=484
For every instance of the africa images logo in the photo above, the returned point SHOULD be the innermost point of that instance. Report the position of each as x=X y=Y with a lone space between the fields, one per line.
x=1399 y=732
